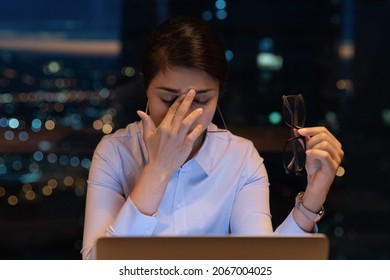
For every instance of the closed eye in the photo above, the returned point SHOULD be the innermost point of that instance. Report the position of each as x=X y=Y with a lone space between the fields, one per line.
x=168 y=101
x=171 y=101
x=200 y=102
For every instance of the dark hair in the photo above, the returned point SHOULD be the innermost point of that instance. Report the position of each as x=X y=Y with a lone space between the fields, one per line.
x=184 y=42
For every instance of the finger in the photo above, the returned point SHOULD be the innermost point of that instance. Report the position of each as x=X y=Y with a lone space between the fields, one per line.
x=328 y=140
x=195 y=133
x=335 y=153
x=183 y=109
x=147 y=123
x=172 y=111
x=312 y=131
x=318 y=138
x=325 y=158
x=191 y=118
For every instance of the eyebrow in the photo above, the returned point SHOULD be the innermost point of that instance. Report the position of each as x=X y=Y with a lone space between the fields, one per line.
x=172 y=90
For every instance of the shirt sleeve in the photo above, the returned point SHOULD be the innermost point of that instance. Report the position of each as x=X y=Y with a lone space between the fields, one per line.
x=251 y=210
x=289 y=227
x=108 y=212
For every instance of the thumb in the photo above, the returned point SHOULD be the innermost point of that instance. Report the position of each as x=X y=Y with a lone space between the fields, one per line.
x=147 y=122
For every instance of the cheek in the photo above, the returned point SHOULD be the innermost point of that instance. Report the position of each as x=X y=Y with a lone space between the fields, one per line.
x=207 y=116
x=158 y=115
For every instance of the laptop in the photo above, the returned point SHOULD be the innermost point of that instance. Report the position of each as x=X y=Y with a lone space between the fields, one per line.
x=313 y=247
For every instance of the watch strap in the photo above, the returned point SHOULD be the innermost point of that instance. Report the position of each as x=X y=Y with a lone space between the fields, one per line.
x=315 y=217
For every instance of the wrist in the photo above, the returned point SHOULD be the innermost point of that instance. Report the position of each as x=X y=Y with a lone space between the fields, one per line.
x=154 y=173
x=314 y=216
x=302 y=221
x=149 y=190
x=313 y=201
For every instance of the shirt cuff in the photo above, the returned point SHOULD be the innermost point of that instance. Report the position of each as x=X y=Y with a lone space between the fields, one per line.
x=289 y=226
x=131 y=222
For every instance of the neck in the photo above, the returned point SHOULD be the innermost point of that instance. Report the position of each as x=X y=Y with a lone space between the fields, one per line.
x=197 y=145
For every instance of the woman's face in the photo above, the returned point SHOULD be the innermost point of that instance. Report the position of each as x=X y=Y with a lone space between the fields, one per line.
x=167 y=86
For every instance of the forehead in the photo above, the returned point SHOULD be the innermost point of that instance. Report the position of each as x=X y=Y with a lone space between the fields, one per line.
x=183 y=79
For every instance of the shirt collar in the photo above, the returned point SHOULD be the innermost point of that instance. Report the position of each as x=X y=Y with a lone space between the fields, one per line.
x=211 y=146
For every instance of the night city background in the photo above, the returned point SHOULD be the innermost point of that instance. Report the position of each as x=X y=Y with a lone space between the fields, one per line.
x=69 y=75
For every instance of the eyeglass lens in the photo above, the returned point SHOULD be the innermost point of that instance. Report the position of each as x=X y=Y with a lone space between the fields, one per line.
x=294 y=155
x=294 y=113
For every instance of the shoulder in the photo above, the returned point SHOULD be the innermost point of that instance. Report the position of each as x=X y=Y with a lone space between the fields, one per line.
x=226 y=144
x=123 y=138
x=232 y=141
x=243 y=146
x=230 y=154
x=132 y=130
x=239 y=140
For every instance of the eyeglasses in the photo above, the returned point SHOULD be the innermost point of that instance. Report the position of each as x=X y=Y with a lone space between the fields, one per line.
x=294 y=153
x=224 y=129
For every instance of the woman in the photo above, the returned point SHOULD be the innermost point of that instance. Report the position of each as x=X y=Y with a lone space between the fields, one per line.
x=169 y=174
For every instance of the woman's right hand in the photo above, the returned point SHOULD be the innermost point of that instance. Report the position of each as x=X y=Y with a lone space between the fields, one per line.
x=170 y=144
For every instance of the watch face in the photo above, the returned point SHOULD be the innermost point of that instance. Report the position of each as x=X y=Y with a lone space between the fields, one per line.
x=299 y=196
x=321 y=214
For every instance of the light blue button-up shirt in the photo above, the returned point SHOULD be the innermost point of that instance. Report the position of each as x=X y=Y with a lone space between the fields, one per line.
x=223 y=190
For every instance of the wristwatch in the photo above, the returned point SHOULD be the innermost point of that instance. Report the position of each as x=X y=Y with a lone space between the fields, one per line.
x=315 y=217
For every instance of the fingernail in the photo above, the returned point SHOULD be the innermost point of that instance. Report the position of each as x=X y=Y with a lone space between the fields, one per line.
x=139 y=113
x=192 y=91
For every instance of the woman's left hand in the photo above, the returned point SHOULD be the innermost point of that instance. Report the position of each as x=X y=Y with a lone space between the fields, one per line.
x=323 y=157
